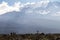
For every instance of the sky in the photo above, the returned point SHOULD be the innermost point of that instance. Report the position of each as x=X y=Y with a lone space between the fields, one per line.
x=15 y=5
x=23 y=1
x=43 y=13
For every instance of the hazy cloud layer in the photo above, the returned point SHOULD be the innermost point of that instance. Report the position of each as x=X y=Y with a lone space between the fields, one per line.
x=4 y=7
x=43 y=7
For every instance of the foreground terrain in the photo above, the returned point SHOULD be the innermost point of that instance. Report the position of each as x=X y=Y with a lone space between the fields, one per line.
x=36 y=36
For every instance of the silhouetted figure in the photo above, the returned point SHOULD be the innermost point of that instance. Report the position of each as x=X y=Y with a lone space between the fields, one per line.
x=37 y=31
x=37 y=35
x=12 y=33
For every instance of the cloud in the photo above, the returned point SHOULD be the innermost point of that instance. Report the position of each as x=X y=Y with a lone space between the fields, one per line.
x=4 y=7
x=56 y=14
x=31 y=8
x=43 y=7
x=43 y=3
x=34 y=11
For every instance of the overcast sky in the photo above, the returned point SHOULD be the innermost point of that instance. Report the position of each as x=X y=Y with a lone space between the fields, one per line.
x=41 y=13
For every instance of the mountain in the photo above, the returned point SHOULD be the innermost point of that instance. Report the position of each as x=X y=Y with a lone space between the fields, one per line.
x=31 y=18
